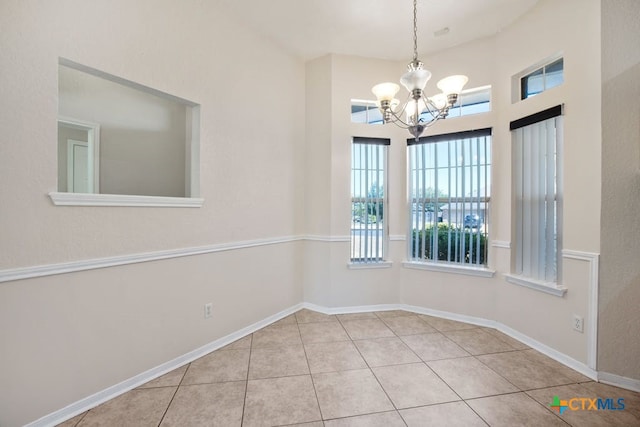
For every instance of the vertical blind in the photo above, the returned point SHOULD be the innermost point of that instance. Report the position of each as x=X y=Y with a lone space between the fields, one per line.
x=449 y=195
x=537 y=185
x=368 y=199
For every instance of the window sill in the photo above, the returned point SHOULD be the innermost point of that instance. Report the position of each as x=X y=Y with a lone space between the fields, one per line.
x=84 y=199
x=448 y=268
x=546 y=287
x=368 y=265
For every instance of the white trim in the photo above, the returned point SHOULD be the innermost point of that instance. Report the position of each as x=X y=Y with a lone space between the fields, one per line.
x=368 y=265
x=548 y=351
x=592 y=314
x=546 y=287
x=318 y=238
x=94 y=400
x=352 y=309
x=449 y=268
x=93 y=145
x=501 y=244
x=85 y=199
x=90 y=264
x=450 y=316
x=619 y=381
x=397 y=237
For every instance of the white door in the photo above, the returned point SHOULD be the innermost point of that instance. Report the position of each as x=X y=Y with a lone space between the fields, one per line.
x=79 y=168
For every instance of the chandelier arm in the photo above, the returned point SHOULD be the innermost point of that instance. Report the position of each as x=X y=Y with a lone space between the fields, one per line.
x=397 y=119
x=434 y=111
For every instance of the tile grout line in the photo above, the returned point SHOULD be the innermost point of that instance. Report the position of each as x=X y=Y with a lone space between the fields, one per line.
x=313 y=384
x=174 y=395
x=246 y=385
x=373 y=373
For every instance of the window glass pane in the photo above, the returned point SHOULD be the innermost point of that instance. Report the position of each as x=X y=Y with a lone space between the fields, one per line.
x=358 y=113
x=375 y=116
x=368 y=176
x=475 y=101
x=533 y=84
x=365 y=112
x=551 y=75
x=554 y=74
x=449 y=192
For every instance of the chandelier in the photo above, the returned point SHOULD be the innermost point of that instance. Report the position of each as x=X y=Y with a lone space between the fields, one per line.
x=419 y=111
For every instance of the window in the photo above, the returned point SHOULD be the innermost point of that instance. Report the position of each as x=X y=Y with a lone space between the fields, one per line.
x=363 y=111
x=449 y=195
x=541 y=79
x=471 y=101
x=537 y=186
x=368 y=199
x=119 y=138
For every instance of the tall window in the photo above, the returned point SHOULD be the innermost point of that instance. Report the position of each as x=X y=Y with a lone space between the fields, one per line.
x=449 y=195
x=537 y=159
x=368 y=199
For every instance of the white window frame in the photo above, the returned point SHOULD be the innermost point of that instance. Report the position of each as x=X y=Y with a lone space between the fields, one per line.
x=517 y=93
x=458 y=233
x=537 y=192
x=370 y=246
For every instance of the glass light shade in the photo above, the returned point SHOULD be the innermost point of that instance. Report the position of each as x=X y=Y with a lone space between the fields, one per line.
x=415 y=79
x=452 y=84
x=410 y=111
x=385 y=91
x=439 y=100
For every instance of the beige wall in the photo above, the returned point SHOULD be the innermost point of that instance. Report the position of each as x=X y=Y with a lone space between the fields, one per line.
x=183 y=49
x=67 y=336
x=619 y=316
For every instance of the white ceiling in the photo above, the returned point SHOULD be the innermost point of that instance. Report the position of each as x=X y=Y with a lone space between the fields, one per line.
x=374 y=28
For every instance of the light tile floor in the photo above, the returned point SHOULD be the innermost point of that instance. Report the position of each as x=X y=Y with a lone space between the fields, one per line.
x=385 y=369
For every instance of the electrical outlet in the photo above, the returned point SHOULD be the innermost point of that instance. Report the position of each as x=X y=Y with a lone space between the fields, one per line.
x=578 y=323
x=208 y=310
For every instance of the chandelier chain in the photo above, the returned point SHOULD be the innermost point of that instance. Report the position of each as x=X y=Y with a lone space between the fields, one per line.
x=421 y=111
x=415 y=31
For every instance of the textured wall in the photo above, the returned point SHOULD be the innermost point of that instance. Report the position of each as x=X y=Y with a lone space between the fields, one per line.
x=619 y=317
x=65 y=337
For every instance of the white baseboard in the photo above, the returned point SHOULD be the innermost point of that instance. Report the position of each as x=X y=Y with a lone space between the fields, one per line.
x=451 y=316
x=116 y=390
x=352 y=309
x=619 y=381
x=548 y=351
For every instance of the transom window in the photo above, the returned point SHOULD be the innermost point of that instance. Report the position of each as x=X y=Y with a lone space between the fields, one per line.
x=449 y=195
x=368 y=199
x=542 y=78
x=471 y=101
